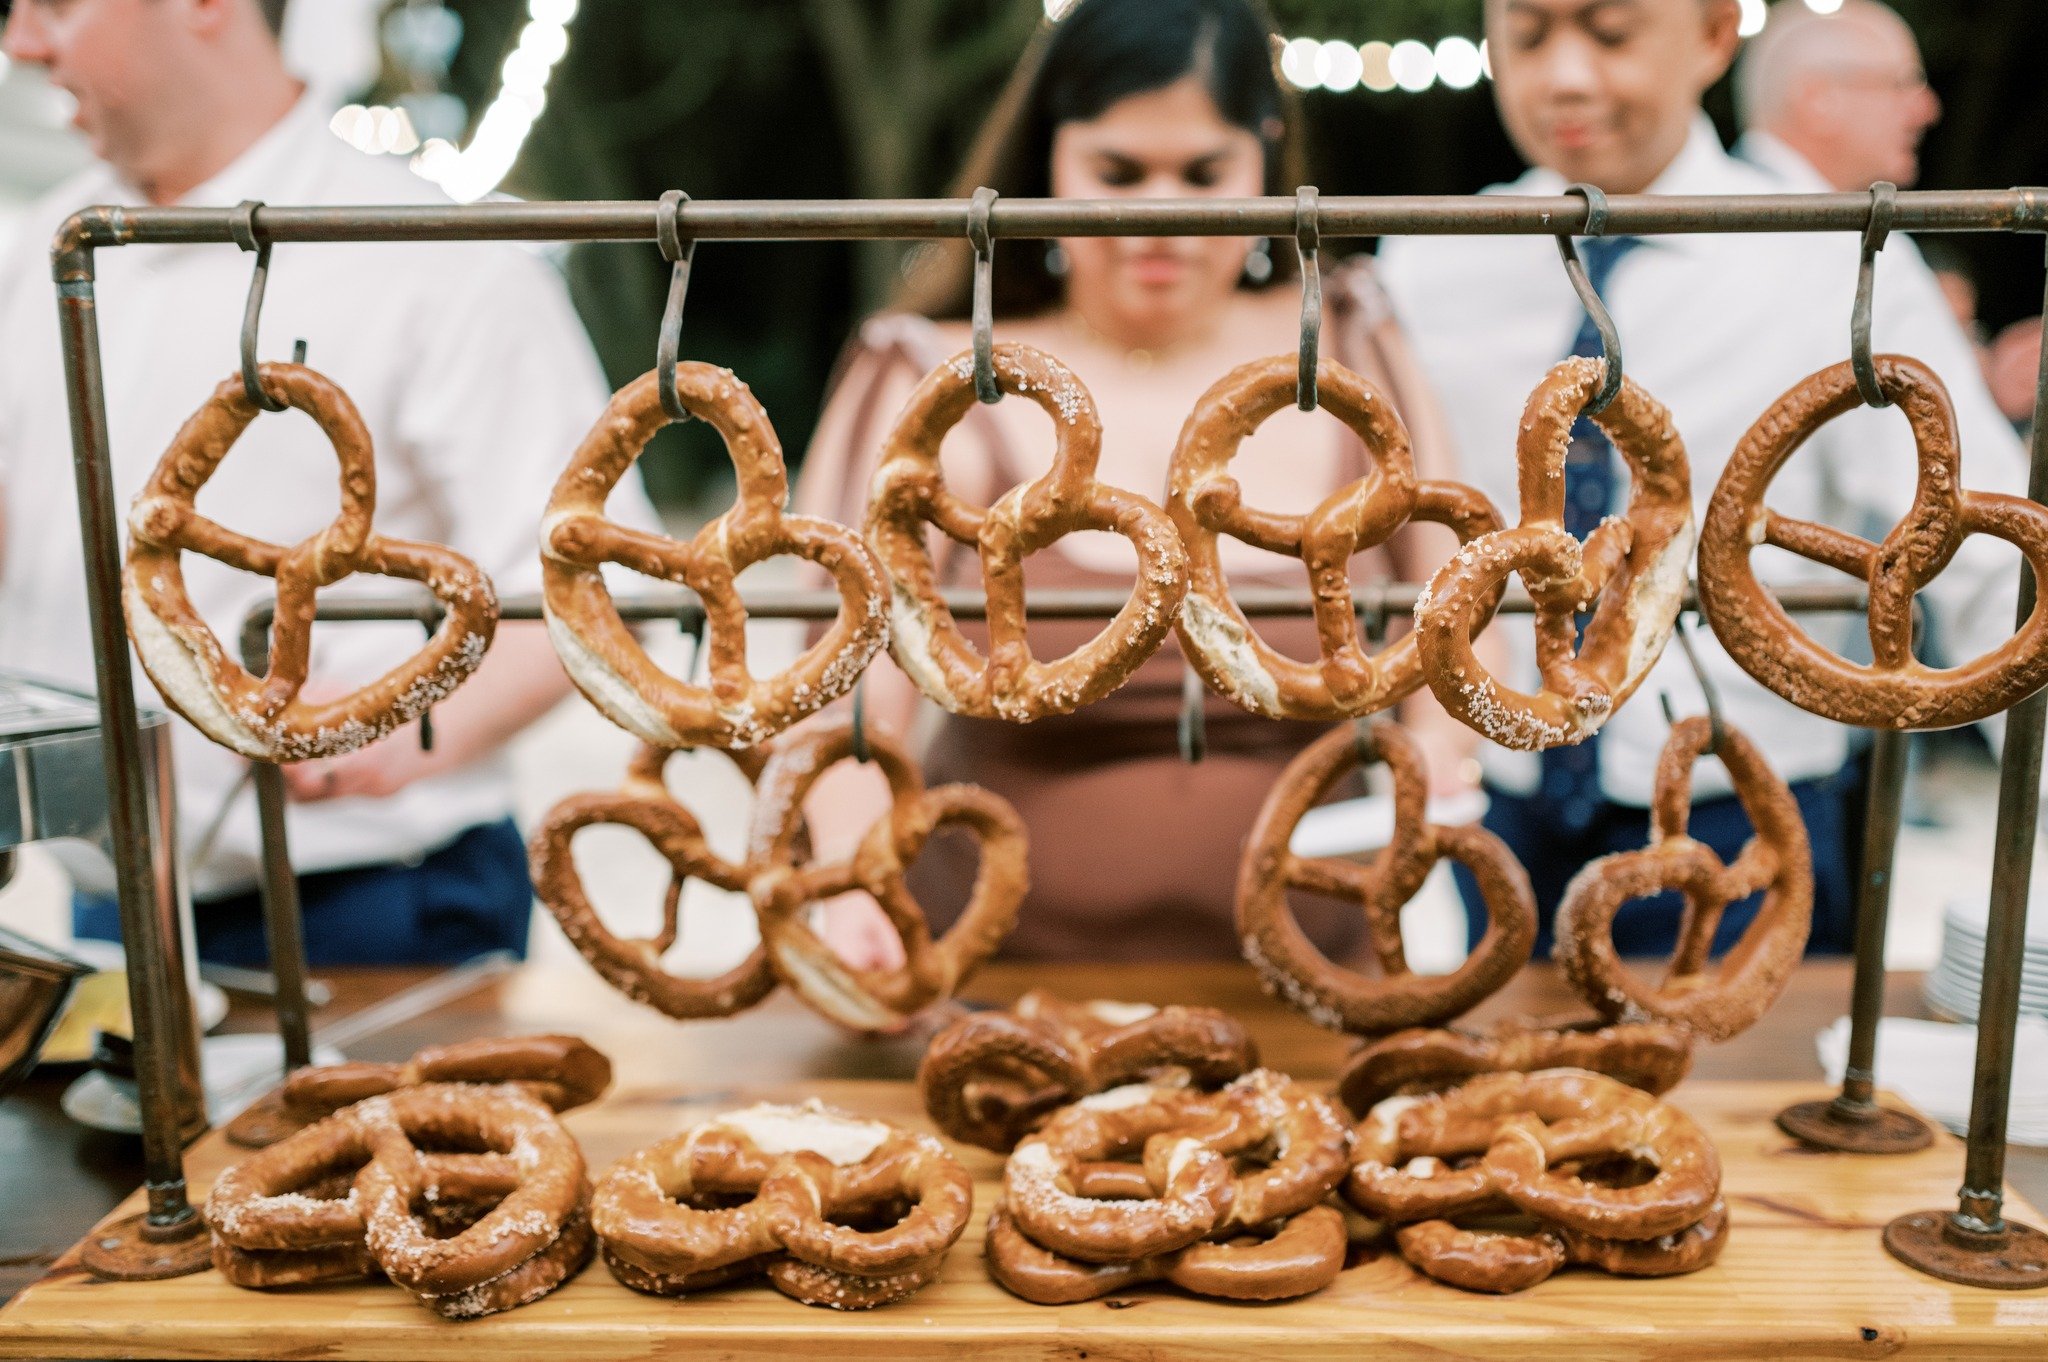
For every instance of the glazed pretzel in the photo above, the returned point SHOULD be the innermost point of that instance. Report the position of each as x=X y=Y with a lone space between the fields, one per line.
x=1290 y=1258
x=1895 y=690
x=1289 y=964
x=1652 y=1056
x=634 y=965
x=1498 y=1262
x=1205 y=501
x=803 y=1177
x=263 y=717
x=1630 y=573
x=1728 y=999
x=909 y=491
x=600 y=653
x=785 y=882
x=992 y=1077
x=561 y=1071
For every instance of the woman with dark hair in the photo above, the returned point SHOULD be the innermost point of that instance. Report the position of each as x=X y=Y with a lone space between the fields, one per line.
x=1133 y=851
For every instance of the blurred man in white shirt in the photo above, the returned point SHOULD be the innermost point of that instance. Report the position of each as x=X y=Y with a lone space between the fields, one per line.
x=1716 y=326
x=472 y=372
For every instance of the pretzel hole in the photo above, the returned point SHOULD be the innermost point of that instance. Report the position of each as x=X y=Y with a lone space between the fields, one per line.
x=872 y=1217
x=1643 y=927
x=773 y=646
x=1618 y=1171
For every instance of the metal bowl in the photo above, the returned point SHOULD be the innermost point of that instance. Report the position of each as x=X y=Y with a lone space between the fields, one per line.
x=35 y=982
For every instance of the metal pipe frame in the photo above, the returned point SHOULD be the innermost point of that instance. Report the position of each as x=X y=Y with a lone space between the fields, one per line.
x=170 y=1216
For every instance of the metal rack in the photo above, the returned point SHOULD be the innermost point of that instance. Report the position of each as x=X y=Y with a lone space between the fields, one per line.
x=1972 y=1244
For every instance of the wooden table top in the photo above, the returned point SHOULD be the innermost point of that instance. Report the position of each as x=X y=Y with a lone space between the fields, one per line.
x=75 y=1175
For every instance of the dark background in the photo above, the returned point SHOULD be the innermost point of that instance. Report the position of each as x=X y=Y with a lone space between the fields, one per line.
x=832 y=98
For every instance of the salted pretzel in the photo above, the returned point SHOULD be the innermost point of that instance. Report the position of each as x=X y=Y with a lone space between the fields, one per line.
x=1713 y=1002
x=1206 y=502
x=909 y=491
x=600 y=653
x=633 y=965
x=785 y=881
x=1630 y=573
x=786 y=1191
x=1289 y=1258
x=1289 y=964
x=1895 y=689
x=1652 y=1056
x=264 y=717
x=561 y=1071
x=519 y=1228
x=1500 y=1262
x=1191 y=1144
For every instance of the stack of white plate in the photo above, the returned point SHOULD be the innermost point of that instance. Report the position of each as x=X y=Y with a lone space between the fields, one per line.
x=1953 y=984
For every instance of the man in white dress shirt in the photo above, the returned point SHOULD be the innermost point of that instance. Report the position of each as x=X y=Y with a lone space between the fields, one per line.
x=1716 y=326
x=473 y=374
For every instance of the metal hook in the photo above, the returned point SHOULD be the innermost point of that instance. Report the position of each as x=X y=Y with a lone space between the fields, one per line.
x=1363 y=744
x=978 y=236
x=1589 y=298
x=1709 y=692
x=857 y=740
x=242 y=227
x=1372 y=618
x=1308 y=235
x=678 y=250
x=1193 y=729
x=1883 y=199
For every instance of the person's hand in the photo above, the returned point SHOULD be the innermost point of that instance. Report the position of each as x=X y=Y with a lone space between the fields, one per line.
x=1450 y=749
x=375 y=772
x=859 y=932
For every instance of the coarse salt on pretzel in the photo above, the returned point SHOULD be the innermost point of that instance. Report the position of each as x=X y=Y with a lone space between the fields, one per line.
x=785 y=882
x=634 y=965
x=992 y=1077
x=909 y=491
x=1291 y=1258
x=736 y=709
x=1652 y=1056
x=1206 y=502
x=1289 y=964
x=1719 y=1002
x=264 y=717
x=1630 y=573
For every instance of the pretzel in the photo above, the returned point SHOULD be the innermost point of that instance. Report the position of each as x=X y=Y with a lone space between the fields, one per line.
x=1630 y=573
x=785 y=882
x=561 y=1071
x=1498 y=1262
x=633 y=966
x=1288 y=963
x=1300 y=1254
x=1406 y=1162
x=600 y=653
x=993 y=1077
x=1205 y=501
x=1189 y=1140
x=466 y=1234
x=263 y=717
x=909 y=490
x=804 y=1173
x=1651 y=1056
x=1895 y=690
x=1718 y=1003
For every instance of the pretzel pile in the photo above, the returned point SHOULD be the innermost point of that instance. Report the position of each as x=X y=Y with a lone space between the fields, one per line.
x=991 y=1078
x=833 y=1209
x=909 y=492
x=600 y=653
x=1608 y=1176
x=263 y=717
x=1205 y=502
x=373 y=1189
x=1224 y=1198
x=561 y=1071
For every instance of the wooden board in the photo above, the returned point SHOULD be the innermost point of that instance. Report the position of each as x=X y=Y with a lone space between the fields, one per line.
x=1804 y=1276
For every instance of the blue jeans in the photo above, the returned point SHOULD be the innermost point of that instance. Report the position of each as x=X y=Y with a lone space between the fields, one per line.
x=471 y=896
x=1832 y=807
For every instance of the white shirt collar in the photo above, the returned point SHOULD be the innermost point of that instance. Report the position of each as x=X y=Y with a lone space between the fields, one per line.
x=263 y=170
x=1702 y=166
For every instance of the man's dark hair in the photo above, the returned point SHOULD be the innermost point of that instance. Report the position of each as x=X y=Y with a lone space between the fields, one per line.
x=273 y=14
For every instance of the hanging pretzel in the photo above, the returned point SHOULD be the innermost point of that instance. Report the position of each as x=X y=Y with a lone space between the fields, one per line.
x=806 y=1180
x=1895 y=690
x=263 y=717
x=601 y=655
x=992 y=1077
x=1718 y=1003
x=1630 y=573
x=785 y=882
x=1652 y=1056
x=1205 y=502
x=1279 y=1261
x=634 y=966
x=909 y=491
x=1289 y=964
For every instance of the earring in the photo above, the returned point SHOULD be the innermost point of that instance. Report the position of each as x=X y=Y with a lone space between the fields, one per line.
x=1258 y=262
x=1055 y=260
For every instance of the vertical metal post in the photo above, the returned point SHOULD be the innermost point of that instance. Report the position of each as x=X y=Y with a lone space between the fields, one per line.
x=166 y=1240
x=283 y=927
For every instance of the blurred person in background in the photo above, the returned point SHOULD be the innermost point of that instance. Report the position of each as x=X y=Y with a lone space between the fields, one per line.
x=1134 y=852
x=473 y=375
x=2013 y=367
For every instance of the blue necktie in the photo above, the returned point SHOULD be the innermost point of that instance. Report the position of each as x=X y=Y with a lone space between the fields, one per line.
x=1571 y=775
